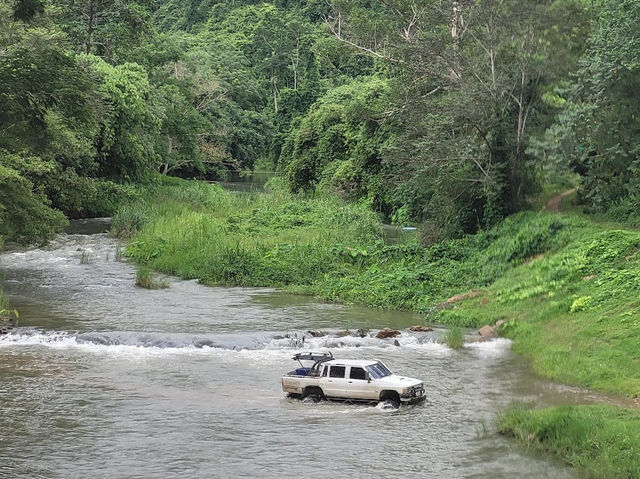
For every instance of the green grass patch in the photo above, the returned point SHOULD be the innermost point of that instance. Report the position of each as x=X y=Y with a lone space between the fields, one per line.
x=85 y=257
x=200 y=231
x=7 y=314
x=602 y=441
x=145 y=278
x=454 y=338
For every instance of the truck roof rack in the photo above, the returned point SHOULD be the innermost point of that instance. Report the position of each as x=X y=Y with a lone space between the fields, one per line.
x=313 y=356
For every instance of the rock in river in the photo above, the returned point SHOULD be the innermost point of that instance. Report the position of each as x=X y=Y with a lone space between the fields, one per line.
x=317 y=334
x=420 y=329
x=387 y=333
x=487 y=331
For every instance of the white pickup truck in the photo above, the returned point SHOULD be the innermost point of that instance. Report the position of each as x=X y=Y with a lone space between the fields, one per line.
x=349 y=380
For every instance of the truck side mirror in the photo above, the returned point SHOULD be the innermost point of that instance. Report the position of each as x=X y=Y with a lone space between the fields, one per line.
x=367 y=377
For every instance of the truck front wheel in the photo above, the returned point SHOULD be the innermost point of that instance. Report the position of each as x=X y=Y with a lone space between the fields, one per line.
x=390 y=400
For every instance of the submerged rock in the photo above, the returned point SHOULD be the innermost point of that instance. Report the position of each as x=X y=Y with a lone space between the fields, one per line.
x=278 y=337
x=479 y=339
x=363 y=333
x=420 y=329
x=317 y=334
x=487 y=331
x=387 y=333
x=201 y=343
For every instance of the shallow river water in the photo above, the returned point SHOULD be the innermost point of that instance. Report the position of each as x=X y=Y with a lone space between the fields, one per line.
x=104 y=379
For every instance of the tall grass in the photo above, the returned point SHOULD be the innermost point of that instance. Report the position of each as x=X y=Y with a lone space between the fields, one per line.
x=129 y=220
x=85 y=257
x=4 y=304
x=454 y=338
x=6 y=313
x=146 y=279
x=250 y=240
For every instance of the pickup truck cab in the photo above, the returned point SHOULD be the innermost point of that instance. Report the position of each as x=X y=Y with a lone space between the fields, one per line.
x=368 y=380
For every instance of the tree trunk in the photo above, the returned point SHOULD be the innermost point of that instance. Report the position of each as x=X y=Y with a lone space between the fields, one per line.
x=165 y=166
x=91 y=16
x=274 y=80
x=295 y=61
x=455 y=22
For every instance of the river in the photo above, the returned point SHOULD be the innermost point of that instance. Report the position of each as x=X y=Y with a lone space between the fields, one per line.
x=104 y=379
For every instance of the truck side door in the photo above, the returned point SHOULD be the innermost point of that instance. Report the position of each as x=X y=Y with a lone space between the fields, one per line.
x=358 y=386
x=335 y=384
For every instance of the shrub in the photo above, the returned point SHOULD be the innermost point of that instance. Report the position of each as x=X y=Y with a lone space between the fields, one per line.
x=454 y=338
x=129 y=220
x=84 y=197
x=146 y=279
x=26 y=217
x=580 y=304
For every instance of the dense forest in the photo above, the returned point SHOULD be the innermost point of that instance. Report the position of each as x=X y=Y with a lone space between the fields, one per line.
x=450 y=114
x=453 y=116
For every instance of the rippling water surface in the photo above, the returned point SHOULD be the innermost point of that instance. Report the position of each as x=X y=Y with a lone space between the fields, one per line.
x=103 y=379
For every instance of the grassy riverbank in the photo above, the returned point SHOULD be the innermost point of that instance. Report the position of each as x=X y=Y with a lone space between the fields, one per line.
x=602 y=441
x=566 y=288
x=200 y=231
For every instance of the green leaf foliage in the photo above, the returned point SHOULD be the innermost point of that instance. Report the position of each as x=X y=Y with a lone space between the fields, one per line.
x=597 y=129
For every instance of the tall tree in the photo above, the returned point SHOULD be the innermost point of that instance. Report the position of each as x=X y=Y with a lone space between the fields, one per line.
x=107 y=28
x=468 y=78
x=597 y=132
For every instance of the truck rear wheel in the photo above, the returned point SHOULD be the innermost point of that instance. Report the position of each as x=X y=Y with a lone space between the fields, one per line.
x=313 y=394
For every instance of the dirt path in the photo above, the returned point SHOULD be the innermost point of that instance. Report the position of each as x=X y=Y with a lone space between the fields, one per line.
x=553 y=204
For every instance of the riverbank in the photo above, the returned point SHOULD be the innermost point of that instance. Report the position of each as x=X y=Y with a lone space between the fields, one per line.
x=602 y=441
x=565 y=288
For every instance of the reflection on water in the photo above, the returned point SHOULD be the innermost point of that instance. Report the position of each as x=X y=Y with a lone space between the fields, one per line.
x=103 y=379
x=90 y=226
x=239 y=182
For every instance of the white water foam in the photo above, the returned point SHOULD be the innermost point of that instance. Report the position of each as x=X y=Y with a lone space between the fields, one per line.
x=66 y=341
x=351 y=342
x=490 y=349
x=144 y=345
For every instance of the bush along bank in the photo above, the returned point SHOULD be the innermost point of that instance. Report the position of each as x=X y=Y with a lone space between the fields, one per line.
x=564 y=289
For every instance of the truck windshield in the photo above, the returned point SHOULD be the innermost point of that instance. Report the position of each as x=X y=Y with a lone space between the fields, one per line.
x=378 y=370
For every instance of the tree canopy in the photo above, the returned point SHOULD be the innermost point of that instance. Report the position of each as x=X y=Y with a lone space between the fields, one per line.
x=449 y=113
